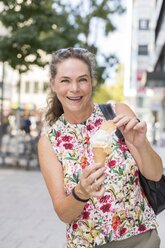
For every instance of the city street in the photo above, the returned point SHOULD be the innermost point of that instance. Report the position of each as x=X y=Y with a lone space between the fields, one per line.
x=26 y=212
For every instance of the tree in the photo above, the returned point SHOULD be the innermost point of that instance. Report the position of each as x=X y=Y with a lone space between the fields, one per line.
x=92 y=19
x=33 y=28
x=38 y=26
x=114 y=92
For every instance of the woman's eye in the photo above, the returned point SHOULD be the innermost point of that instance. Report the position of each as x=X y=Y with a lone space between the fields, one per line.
x=65 y=81
x=83 y=80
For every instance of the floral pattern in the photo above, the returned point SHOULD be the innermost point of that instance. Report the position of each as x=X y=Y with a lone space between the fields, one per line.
x=123 y=211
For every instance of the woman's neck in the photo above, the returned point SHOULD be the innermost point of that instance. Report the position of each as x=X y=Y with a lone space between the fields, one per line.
x=77 y=118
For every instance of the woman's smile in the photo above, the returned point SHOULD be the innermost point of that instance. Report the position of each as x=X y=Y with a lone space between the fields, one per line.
x=73 y=87
x=75 y=99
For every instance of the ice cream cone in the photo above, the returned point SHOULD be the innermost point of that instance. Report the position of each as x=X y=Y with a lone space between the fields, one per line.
x=102 y=141
x=109 y=126
x=99 y=154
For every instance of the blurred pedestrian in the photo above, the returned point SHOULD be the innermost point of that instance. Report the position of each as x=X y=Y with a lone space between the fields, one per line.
x=26 y=124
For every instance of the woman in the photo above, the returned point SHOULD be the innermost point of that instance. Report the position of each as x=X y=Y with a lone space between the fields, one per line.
x=103 y=205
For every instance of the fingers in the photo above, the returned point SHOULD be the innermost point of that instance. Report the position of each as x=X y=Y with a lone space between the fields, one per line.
x=99 y=193
x=91 y=169
x=92 y=180
x=95 y=175
x=134 y=131
x=141 y=125
x=131 y=124
x=127 y=122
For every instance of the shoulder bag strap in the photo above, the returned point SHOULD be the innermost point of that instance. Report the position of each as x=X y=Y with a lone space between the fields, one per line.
x=109 y=114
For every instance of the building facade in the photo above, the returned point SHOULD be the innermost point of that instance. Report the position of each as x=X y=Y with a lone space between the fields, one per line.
x=155 y=80
x=145 y=73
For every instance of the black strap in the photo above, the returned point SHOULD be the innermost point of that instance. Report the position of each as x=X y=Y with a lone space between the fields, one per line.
x=109 y=114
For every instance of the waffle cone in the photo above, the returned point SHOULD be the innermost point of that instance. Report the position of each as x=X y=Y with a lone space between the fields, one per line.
x=99 y=155
x=108 y=126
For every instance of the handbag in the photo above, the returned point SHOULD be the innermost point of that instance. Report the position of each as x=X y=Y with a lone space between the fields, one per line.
x=154 y=191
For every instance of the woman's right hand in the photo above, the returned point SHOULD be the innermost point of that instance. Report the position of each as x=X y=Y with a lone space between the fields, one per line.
x=91 y=182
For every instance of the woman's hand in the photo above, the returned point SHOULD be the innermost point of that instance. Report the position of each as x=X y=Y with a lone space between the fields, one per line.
x=91 y=182
x=133 y=131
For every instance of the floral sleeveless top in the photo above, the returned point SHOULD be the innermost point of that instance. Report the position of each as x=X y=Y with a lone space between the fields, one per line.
x=123 y=211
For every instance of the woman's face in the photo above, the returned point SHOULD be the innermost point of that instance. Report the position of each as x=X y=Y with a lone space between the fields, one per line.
x=73 y=85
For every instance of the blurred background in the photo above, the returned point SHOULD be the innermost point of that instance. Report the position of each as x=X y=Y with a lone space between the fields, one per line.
x=128 y=38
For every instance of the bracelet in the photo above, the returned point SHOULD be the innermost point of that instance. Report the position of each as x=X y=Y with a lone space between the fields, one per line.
x=77 y=197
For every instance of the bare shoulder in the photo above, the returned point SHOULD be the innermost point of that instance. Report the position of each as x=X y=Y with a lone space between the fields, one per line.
x=46 y=153
x=123 y=108
x=43 y=141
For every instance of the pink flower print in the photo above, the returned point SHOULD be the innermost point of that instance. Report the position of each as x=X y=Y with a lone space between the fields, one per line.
x=89 y=127
x=58 y=134
x=68 y=146
x=58 y=138
x=86 y=206
x=104 y=199
x=142 y=228
x=58 y=142
x=122 y=231
x=122 y=146
x=86 y=215
x=74 y=226
x=106 y=231
x=87 y=139
x=106 y=208
x=136 y=181
x=98 y=122
x=136 y=173
x=66 y=138
x=111 y=163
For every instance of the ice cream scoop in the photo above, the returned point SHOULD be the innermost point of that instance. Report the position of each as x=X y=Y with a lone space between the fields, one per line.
x=102 y=141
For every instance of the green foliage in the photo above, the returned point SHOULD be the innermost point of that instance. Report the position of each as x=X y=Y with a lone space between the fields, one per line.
x=104 y=93
x=37 y=27
x=33 y=27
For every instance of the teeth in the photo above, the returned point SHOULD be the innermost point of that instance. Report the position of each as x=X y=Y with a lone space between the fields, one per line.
x=74 y=98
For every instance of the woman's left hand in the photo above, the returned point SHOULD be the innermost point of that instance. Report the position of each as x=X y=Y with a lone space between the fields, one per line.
x=133 y=131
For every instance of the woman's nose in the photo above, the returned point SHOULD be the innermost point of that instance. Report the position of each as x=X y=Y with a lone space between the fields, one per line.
x=74 y=87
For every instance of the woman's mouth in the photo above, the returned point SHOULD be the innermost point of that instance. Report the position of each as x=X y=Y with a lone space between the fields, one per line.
x=77 y=98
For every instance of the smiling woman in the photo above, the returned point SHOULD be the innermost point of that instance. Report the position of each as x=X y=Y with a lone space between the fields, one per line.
x=72 y=87
x=102 y=203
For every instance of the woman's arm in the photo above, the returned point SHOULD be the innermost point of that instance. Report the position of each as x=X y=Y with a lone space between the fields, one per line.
x=67 y=207
x=134 y=132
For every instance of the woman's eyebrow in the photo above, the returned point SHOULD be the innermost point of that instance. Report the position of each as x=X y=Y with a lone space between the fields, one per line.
x=65 y=77
x=84 y=75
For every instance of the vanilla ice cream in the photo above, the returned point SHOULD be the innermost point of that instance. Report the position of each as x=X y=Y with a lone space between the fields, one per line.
x=102 y=141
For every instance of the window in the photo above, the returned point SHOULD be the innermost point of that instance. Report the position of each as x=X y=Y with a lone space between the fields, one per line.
x=143 y=24
x=27 y=87
x=143 y=50
x=45 y=87
x=35 y=87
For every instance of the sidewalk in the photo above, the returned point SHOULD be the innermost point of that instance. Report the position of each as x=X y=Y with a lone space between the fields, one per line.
x=26 y=213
